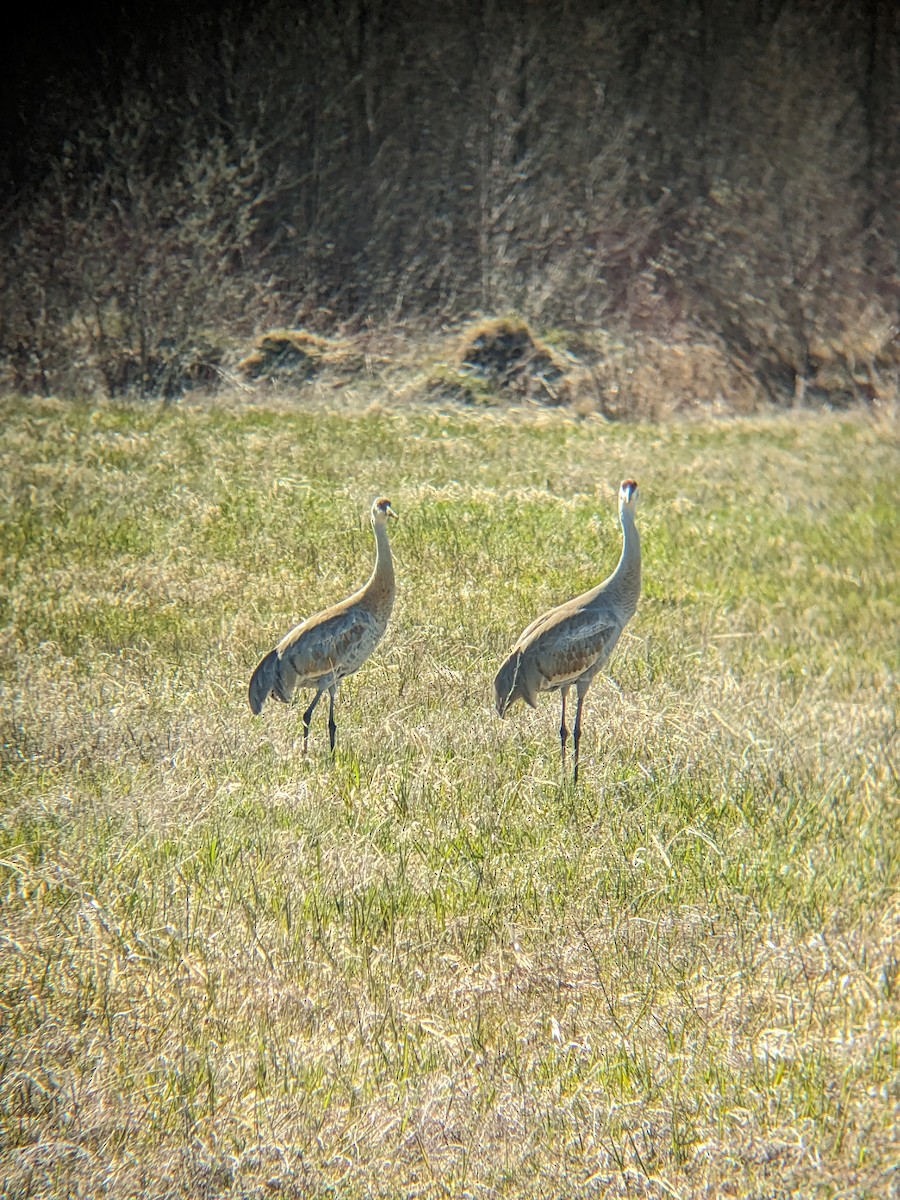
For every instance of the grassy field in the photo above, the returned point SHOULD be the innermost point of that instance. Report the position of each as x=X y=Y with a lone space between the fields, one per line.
x=433 y=967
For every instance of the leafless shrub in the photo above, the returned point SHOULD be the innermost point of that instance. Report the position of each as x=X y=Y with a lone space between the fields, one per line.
x=126 y=276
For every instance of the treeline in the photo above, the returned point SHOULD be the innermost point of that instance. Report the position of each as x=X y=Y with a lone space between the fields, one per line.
x=722 y=170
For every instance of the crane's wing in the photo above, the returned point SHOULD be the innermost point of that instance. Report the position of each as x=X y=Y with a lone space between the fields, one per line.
x=587 y=599
x=333 y=644
x=570 y=642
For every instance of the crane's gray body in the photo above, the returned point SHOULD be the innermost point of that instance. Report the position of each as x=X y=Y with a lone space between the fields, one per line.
x=569 y=644
x=326 y=648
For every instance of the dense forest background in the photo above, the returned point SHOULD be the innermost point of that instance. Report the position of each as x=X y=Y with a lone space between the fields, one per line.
x=728 y=172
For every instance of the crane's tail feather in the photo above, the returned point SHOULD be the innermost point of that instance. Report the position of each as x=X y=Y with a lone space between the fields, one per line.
x=265 y=679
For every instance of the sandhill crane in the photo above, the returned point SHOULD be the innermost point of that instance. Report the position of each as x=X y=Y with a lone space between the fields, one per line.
x=569 y=644
x=323 y=649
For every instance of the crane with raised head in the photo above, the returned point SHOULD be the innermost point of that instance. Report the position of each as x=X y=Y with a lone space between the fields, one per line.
x=569 y=644
x=327 y=647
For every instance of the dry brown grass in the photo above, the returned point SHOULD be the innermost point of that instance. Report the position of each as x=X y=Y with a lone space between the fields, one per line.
x=432 y=967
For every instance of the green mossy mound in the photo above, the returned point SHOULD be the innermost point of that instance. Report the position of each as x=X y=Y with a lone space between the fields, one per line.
x=293 y=356
x=504 y=353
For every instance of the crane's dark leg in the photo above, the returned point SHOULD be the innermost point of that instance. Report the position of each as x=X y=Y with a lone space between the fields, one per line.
x=307 y=717
x=332 y=727
x=563 y=727
x=577 y=732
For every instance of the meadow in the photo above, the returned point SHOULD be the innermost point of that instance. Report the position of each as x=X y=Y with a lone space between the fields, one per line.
x=433 y=967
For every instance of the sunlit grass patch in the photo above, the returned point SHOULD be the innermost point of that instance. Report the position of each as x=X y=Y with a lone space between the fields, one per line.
x=432 y=962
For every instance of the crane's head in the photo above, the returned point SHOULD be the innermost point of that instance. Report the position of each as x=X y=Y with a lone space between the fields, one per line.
x=516 y=680
x=381 y=510
x=505 y=692
x=628 y=495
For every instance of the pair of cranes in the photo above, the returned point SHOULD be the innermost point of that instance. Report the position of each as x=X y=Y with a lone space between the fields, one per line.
x=563 y=648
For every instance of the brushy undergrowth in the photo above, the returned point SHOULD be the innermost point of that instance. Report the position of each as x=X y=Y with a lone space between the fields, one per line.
x=433 y=967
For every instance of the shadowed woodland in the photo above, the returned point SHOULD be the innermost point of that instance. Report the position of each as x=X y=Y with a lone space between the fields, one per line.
x=719 y=174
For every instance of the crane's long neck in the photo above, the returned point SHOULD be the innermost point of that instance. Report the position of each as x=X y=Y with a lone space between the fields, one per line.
x=380 y=588
x=625 y=581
